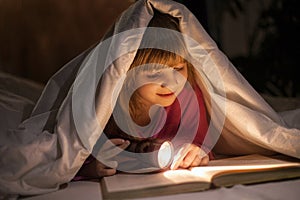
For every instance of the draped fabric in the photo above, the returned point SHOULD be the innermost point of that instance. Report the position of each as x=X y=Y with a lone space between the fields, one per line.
x=48 y=148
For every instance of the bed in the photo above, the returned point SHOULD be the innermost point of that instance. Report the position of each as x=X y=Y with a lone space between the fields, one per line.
x=273 y=190
x=21 y=94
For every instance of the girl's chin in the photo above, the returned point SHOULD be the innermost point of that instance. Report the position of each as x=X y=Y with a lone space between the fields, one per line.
x=166 y=103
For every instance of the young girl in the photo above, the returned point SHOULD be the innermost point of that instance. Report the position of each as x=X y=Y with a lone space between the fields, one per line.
x=159 y=79
x=163 y=98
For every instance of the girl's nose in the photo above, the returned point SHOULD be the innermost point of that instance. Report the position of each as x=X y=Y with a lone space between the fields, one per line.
x=170 y=78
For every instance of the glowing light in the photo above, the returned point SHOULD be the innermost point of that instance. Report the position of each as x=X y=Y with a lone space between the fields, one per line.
x=215 y=168
x=165 y=155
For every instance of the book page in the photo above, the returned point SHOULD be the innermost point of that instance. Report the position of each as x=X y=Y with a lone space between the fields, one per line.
x=203 y=174
x=249 y=163
x=126 y=182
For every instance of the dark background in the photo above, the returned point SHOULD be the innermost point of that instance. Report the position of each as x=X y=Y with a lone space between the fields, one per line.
x=272 y=46
x=37 y=37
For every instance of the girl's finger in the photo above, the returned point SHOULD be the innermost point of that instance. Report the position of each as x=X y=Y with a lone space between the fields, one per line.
x=124 y=145
x=106 y=172
x=103 y=170
x=117 y=149
x=117 y=141
x=188 y=159
x=178 y=158
x=204 y=160
x=110 y=164
x=112 y=148
x=196 y=162
x=111 y=143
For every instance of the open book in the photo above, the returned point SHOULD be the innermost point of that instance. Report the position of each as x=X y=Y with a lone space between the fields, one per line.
x=222 y=172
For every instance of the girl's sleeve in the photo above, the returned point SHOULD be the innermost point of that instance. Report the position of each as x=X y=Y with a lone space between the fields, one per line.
x=78 y=176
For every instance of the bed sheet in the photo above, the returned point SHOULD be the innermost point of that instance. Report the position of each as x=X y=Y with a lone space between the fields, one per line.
x=288 y=190
x=21 y=95
x=18 y=97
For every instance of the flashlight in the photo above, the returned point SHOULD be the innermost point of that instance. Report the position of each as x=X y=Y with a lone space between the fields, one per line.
x=157 y=153
x=165 y=155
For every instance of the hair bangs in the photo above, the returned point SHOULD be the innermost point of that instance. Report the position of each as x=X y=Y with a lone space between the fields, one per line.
x=156 y=56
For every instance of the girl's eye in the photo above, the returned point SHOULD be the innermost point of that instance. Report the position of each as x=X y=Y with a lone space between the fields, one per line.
x=179 y=68
x=153 y=75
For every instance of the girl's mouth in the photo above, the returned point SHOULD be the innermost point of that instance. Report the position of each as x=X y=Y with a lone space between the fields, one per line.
x=166 y=94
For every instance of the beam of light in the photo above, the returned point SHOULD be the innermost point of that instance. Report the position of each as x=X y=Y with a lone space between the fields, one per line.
x=232 y=166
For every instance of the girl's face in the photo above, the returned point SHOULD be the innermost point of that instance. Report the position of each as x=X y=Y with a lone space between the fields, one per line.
x=161 y=86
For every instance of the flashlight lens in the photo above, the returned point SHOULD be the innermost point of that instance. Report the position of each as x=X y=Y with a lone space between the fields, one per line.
x=165 y=154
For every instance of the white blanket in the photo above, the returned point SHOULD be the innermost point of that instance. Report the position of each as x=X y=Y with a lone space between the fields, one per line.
x=49 y=147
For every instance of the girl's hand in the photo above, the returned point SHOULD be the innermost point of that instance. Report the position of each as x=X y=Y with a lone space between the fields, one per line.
x=103 y=170
x=189 y=155
x=97 y=169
